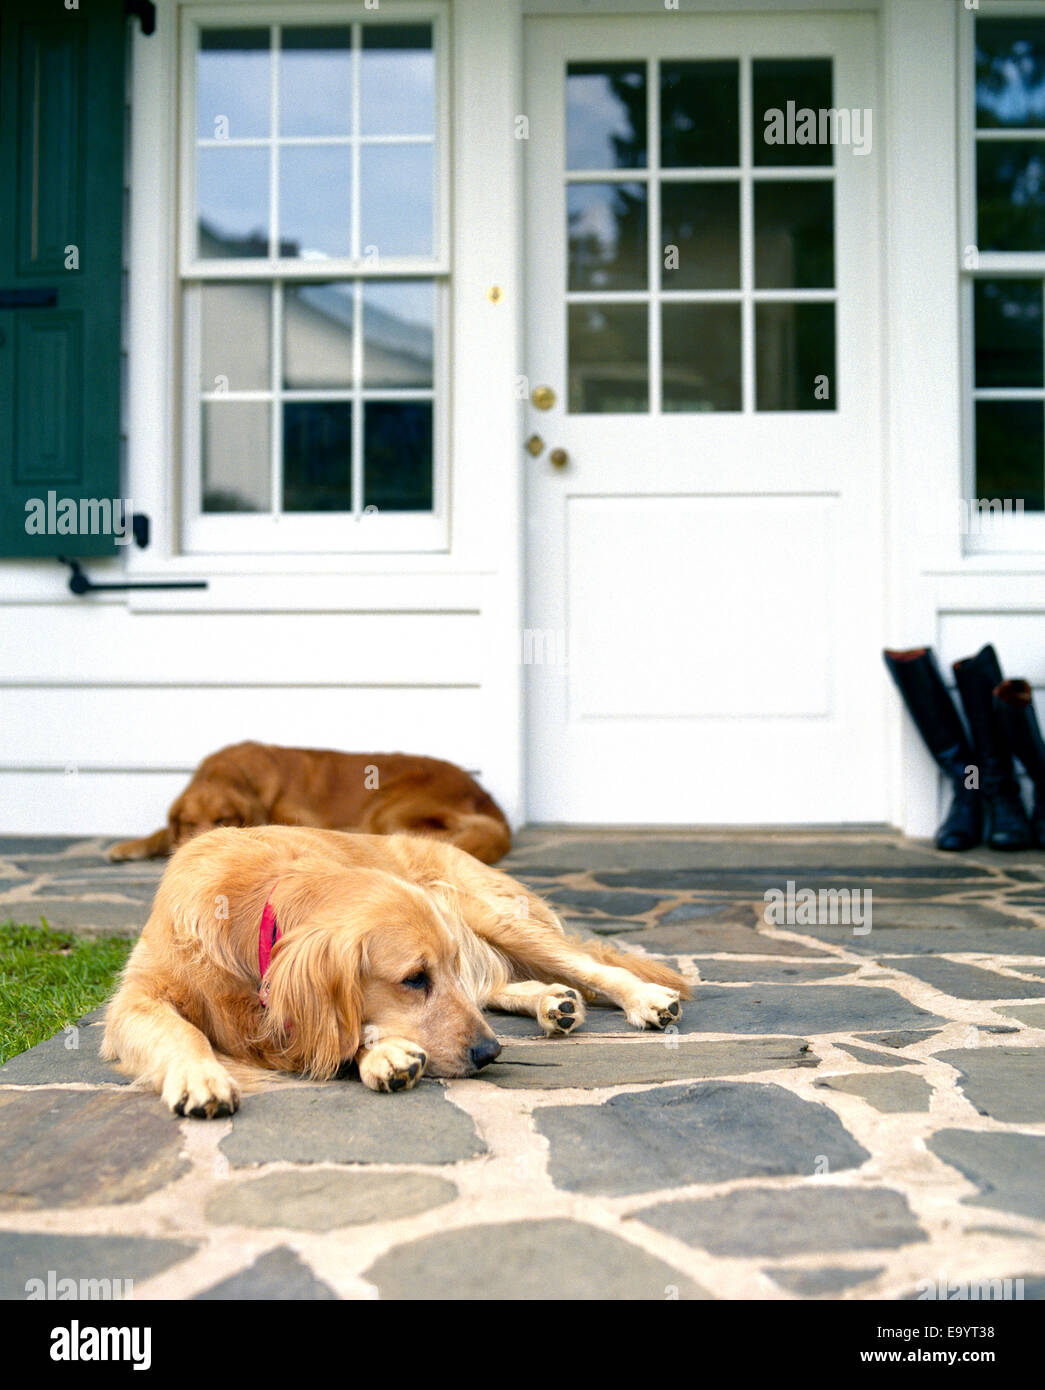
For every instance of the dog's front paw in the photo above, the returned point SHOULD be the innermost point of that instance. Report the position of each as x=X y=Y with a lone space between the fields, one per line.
x=654 y=1006
x=202 y=1090
x=560 y=1010
x=393 y=1064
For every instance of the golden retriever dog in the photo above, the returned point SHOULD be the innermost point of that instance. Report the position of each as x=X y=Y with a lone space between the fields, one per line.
x=387 y=950
x=377 y=793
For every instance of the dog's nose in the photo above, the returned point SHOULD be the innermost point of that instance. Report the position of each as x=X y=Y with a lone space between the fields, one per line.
x=484 y=1051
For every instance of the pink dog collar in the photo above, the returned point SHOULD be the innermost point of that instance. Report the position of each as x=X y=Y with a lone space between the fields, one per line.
x=268 y=934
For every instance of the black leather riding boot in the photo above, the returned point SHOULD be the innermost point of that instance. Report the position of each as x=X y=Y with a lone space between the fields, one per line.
x=1014 y=711
x=1005 y=823
x=918 y=680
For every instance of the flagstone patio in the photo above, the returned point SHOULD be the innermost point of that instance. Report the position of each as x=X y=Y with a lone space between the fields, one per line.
x=841 y=1113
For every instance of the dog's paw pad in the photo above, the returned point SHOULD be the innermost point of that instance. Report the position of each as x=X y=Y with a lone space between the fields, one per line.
x=560 y=1010
x=655 y=1007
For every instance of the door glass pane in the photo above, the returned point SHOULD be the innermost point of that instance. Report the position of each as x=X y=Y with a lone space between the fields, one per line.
x=317 y=336
x=1010 y=73
x=233 y=84
x=398 y=333
x=1010 y=195
x=606 y=116
x=788 y=95
x=315 y=81
x=1010 y=452
x=397 y=456
x=701 y=349
x=315 y=201
x=232 y=190
x=699 y=114
x=795 y=357
x=235 y=441
x=397 y=80
x=794 y=235
x=1008 y=333
x=608 y=358
x=236 y=336
x=700 y=235
x=317 y=456
x=607 y=236
x=397 y=199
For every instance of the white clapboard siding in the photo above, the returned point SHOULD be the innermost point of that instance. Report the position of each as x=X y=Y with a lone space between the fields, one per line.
x=120 y=804
x=1018 y=638
x=171 y=729
x=65 y=644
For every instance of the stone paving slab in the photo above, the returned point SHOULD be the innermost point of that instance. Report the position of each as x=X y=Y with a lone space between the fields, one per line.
x=100 y=1266
x=326 y=1198
x=1006 y=1083
x=72 y=1056
x=280 y=1275
x=889 y=1092
x=1006 y=1168
x=590 y=1065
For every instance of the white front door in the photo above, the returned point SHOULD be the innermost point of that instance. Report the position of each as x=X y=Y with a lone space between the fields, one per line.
x=705 y=567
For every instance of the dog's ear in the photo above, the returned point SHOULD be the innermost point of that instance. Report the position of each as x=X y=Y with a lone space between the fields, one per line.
x=315 y=997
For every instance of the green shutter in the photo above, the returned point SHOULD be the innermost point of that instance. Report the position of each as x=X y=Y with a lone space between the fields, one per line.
x=61 y=172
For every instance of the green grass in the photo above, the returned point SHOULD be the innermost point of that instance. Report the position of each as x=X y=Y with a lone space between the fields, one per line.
x=49 y=979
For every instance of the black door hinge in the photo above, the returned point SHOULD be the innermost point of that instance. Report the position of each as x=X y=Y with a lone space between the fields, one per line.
x=145 y=11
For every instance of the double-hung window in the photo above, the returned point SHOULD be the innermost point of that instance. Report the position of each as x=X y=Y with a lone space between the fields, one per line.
x=313 y=282
x=1004 y=278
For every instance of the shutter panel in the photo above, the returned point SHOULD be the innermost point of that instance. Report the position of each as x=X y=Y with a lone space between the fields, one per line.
x=61 y=169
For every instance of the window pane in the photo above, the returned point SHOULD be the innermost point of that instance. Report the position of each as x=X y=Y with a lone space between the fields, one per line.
x=1010 y=452
x=317 y=456
x=1010 y=192
x=398 y=332
x=701 y=345
x=699 y=114
x=805 y=82
x=607 y=236
x=232 y=191
x=317 y=336
x=700 y=236
x=315 y=201
x=1008 y=333
x=397 y=200
x=236 y=334
x=315 y=81
x=233 y=86
x=397 y=456
x=397 y=80
x=236 y=445
x=606 y=116
x=1010 y=73
x=795 y=357
x=608 y=358
x=794 y=235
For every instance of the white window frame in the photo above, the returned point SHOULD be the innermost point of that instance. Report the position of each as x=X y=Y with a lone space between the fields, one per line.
x=358 y=532
x=1013 y=533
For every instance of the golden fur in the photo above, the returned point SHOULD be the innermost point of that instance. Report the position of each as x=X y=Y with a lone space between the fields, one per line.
x=377 y=793
x=391 y=947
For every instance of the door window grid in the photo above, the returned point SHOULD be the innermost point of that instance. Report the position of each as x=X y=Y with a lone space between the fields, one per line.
x=746 y=176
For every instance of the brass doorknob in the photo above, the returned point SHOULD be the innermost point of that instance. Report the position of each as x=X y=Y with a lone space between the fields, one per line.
x=543 y=397
x=534 y=445
x=559 y=457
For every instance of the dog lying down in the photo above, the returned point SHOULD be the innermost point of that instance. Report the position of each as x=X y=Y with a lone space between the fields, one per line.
x=386 y=950
x=377 y=793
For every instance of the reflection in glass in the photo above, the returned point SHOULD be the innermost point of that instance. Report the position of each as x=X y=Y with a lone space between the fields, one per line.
x=398 y=333
x=1010 y=73
x=807 y=82
x=607 y=236
x=235 y=439
x=701 y=220
x=233 y=84
x=317 y=456
x=606 y=116
x=1010 y=452
x=315 y=200
x=397 y=80
x=608 y=358
x=699 y=114
x=397 y=200
x=1010 y=193
x=232 y=193
x=236 y=336
x=701 y=353
x=794 y=235
x=397 y=456
x=317 y=336
x=1008 y=334
x=795 y=357
x=315 y=81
